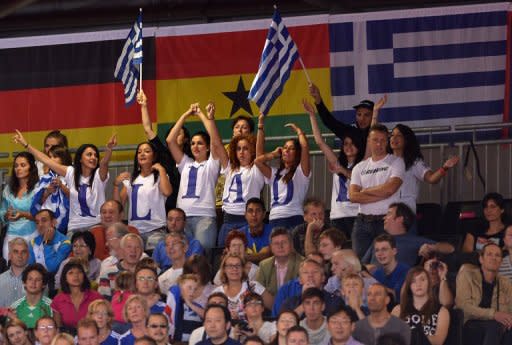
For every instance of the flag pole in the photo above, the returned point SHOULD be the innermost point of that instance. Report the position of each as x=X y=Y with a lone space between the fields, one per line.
x=305 y=70
x=140 y=68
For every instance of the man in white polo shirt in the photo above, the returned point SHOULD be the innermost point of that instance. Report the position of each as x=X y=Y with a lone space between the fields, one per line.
x=374 y=184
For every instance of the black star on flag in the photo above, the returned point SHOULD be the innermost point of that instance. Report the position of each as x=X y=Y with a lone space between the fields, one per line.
x=239 y=98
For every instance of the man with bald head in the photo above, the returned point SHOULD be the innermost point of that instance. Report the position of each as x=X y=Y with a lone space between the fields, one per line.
x=110 y=212
x=380 y=321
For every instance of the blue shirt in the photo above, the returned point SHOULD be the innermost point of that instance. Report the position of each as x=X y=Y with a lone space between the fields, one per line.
x=395 y=280
x=127 y=339
x=164 y=262
x=256 y=244
x=54 y=252
x=289 y=289
x=229 y=341
x=407 y=247
x=112 y=339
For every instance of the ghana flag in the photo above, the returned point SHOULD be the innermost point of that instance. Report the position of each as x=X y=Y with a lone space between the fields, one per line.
x=218 y=62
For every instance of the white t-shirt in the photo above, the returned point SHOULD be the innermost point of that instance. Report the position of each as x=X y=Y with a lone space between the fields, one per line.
x=240 y=186
x=169 y=278
x=147 y=203
x=410 y=187
x=235 y=304
x=287 y=200
x=84 y=206
x=196 y=195
x=369 y=173
x=251 y=275
x=341 y=206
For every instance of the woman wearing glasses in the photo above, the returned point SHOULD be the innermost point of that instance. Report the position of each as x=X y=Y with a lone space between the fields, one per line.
x=101 y=312
x=45 y=330
x=235 y=285
x=83 y=246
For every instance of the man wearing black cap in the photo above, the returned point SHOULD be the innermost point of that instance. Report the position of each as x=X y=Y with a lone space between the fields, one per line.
x=360 y=129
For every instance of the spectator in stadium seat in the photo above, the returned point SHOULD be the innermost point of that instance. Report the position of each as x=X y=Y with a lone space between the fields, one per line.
x=441 y=286
x=352 y=292
x=403 y=143
x=486 y=300
x=72 y=303
x=311 y=275
x=50 y=247
x=256 y=231
x=429 y=321
x=217 y=321
x=113 y=235
x=345 y=263
x=341 y=325
x=199 y=175
x=83 y=248
x=256 y=326
x=16 y=333
x=45 y=330
x=343 y=212
x=198 y=334
x=307 y=235
x=176 y=245
x=494 y=213
x=111 y=212
x=11 y=284
x=88 y=170
x=162 y=150
x=136 y=313
x=34 y=304
x=297 y=335
x=290 y=181
x=131 y=252
x=146 y=286
x=236 y=244
x=283 y=266
x=390 y=272
x=235 y=285
x=176 y=222
x=17 y=197
x=199 y=265
x=506 y=264
x=101 y=312
x=374 y=185
x=397 y=222
x=314 y=321
x=87 y=332
x=380 y=321
x=146 y=189
x=285 y=320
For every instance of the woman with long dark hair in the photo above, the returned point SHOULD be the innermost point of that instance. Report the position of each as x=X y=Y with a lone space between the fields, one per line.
x=17 y=199
x=199 y=174
x=290 y=181
x=285 y=320
x=343 y=211
x=146 y=188
x=428 y=320
x=403 y=143
x=86 y=179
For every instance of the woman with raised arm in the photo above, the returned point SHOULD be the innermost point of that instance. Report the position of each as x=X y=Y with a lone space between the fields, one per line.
x=343 y=211
x=162 y=150
x=243 y=181
x=146 y=189
x=17 y=199
x=290 y=181
x=403 y=143
x=199 y=174
x=86 y=179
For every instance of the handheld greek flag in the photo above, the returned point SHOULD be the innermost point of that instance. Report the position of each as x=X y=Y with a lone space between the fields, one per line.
x=130 y=62
x=278 y=57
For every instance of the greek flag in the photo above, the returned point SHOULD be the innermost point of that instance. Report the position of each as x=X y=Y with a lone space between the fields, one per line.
x=279 y=55
x=127 y=68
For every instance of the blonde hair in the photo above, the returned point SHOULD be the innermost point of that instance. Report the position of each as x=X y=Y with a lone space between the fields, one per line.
x=63 y=336
x=130 y=300
x=96 y=304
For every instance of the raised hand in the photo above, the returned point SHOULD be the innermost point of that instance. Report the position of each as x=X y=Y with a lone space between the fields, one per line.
x=308 y=107
x=315 y=93
x=112 y=142
x=380 y=103
x=121 y=177
x=142 y=99
x=19 y=139
x=210 y=111
x=294 y=128
x=451 y=162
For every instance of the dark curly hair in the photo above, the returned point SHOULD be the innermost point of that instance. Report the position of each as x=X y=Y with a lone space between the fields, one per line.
x=289 y=175
x=136 y=165
x=412 y=151
x=77 y=165
x=233 y=159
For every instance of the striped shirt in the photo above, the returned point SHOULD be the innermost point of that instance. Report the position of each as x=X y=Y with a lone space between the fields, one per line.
x=11 y=287
x=506 y=268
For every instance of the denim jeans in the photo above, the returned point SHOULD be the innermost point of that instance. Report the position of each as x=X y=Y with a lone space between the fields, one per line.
x=364 y=232
x=485 y=332
x=230 y=222
x=289 y=222
x=203 y=229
